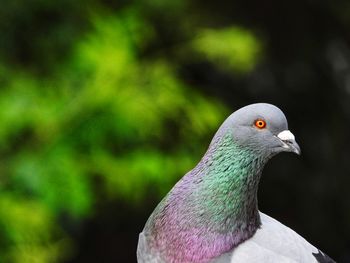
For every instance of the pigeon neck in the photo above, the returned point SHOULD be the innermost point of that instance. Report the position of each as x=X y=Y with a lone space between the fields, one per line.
x=213 y=208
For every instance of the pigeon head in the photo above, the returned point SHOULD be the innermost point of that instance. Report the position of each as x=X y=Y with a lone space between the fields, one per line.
x=261 y=128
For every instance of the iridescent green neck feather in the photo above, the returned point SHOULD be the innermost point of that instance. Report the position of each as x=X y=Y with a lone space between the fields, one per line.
x=212 y=209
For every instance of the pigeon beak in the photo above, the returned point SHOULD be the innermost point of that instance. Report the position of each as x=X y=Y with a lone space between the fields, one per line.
x=289 y=142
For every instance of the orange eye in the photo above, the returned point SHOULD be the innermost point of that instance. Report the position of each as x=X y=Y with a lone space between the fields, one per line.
x=260 y=124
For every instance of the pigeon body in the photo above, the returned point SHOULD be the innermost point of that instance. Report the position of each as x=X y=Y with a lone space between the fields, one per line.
x=211 y=214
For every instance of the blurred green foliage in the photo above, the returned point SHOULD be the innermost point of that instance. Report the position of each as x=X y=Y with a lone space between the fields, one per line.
x=105 y=123
x=232 y=48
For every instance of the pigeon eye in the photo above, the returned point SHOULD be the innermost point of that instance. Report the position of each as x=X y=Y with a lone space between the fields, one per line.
x=260 y=124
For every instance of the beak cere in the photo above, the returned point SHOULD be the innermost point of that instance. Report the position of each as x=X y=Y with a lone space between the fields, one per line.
x=289 y=142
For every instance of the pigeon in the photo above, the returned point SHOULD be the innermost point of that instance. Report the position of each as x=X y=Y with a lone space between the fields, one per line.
x=211 y=214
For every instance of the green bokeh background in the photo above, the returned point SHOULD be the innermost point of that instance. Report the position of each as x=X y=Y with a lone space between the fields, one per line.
x=105 y=104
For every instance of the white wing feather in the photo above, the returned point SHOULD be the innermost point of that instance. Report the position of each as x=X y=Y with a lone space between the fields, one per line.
x=272 y=243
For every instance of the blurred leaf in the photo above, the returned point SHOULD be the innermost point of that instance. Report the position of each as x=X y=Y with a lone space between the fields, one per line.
x=28 y=232
x=234 y=48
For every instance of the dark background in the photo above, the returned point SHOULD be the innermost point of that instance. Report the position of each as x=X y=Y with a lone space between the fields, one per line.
x=106 y=104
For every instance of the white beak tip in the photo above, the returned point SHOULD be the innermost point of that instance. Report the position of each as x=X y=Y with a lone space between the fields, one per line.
x=286 y=135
